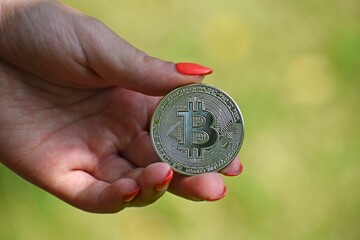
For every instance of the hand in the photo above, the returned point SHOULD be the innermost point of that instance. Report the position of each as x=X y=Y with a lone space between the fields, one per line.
x=75 y=106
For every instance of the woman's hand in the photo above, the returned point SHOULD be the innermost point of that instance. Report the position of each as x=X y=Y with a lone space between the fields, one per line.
x=75 y=106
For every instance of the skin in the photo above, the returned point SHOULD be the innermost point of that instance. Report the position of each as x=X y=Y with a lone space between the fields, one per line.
x=75 y=105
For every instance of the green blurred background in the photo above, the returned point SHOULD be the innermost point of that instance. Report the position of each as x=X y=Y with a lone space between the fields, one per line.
x=294 y=69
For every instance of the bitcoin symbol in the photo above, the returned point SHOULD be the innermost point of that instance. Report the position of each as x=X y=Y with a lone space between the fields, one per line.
x=198 y=131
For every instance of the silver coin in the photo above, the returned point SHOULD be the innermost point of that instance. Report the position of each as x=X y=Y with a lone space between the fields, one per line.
x=197 y=129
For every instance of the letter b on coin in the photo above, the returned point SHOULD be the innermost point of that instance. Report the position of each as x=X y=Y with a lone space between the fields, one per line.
x=198 y=131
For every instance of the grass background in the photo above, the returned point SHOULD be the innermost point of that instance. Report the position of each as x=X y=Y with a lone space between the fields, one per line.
x=294 y=69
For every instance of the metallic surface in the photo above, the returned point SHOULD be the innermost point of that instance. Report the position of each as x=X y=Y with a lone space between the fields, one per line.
x=197 y=129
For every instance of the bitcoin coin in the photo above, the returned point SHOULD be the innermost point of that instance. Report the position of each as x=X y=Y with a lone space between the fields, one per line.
x=197 y=129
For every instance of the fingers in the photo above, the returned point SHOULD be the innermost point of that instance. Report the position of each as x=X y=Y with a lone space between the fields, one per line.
x=233 y=169
x=154 y=181
x=85 y=192
x=208 y=186
x=73 y=49
x=142 y=187
x=121 y=64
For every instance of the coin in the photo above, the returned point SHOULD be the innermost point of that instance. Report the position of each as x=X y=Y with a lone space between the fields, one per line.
x=197 y=129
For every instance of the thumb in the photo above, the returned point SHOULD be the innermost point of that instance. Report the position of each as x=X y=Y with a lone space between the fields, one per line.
x=119 y=63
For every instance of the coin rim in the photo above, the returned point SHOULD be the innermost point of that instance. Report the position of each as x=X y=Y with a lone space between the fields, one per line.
x=186 y=86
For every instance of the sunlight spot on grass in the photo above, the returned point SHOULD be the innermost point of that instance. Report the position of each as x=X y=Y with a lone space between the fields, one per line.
x=276 y=162
x=310 y=80
x=227 y=38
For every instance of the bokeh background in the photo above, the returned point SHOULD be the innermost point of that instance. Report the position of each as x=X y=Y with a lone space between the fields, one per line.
x=294 y=69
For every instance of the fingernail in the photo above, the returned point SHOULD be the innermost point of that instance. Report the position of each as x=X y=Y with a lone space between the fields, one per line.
x=130 y=196
x=231 y=174
x=218 y=198
x=165 y=183
x=192 y=69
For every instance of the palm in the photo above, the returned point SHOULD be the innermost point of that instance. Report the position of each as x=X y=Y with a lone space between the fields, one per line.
x=89 y=133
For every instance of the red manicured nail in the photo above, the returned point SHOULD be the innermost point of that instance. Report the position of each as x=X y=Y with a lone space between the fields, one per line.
x=130 y=196
x=218 y=198
x=192 y=69
x=165 y=183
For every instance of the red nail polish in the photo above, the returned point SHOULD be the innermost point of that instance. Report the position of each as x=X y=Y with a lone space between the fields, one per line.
x=218 y=198
x=192 y=69
x=165 y=183
x=130 y=196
